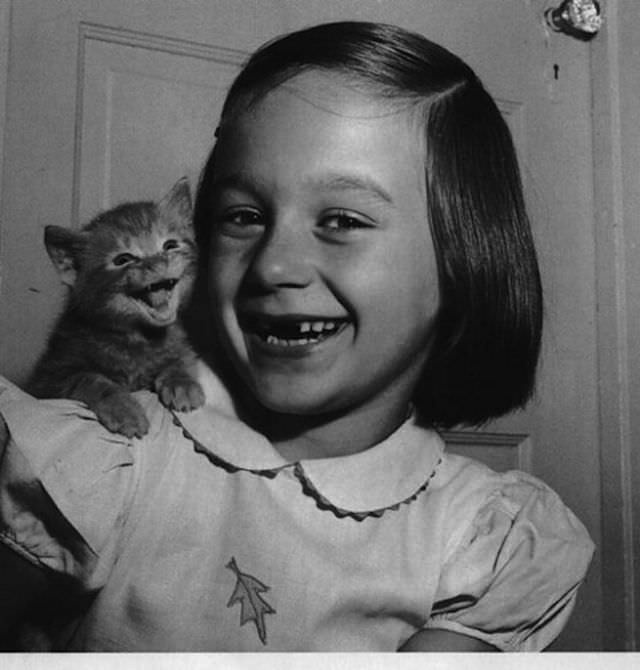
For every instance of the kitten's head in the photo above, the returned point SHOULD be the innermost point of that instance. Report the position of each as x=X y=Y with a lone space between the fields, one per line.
x=133 y=265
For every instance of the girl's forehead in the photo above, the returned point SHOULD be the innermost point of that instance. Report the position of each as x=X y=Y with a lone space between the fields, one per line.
x=333 y=92
x=318 y=134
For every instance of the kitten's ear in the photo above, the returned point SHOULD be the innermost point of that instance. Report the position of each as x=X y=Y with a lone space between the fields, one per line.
x=178 y=201
x=63 y=246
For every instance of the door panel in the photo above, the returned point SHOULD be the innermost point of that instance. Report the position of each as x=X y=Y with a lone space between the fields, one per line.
x=113 y=101
x=500 y=451
x=144 y=101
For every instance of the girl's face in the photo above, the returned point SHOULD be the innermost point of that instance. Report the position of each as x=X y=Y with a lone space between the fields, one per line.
x=322 y=269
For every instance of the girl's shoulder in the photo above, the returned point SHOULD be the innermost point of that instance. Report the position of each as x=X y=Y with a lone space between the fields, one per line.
x=45 y=430
x=512 y=552
x=471 y=482
x=42 y=429
x=64 y=478
x=68 y=486
x=68 y=483
x=477 y=497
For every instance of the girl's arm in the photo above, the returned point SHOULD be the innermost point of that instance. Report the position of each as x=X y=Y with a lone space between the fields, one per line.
x=444 y=640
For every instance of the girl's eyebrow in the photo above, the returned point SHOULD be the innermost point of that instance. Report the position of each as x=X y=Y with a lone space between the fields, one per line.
x=350 y=182
x=328 y=182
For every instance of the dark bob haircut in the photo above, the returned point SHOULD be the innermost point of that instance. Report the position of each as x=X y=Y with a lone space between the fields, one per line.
x=486 y=344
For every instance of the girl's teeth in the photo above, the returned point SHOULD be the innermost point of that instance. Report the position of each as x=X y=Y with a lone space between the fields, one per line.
x=272 y=339
x=315 y=331
x=307 y=332
x=316 y=326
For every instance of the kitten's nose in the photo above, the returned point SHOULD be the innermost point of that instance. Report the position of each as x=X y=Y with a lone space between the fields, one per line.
x=157 y=262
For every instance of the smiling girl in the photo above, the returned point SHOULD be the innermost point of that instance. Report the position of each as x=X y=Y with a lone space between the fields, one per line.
x=371 y=279
x=322 y=271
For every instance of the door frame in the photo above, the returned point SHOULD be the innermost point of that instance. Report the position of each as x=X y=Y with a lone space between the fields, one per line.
x=616 y=158
x=5 y=33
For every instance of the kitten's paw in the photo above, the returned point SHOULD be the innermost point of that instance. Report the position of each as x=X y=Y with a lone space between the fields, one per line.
x=122 y=413
x=179 y=391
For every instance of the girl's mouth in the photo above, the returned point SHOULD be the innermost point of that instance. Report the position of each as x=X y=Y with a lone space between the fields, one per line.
x=292 y=331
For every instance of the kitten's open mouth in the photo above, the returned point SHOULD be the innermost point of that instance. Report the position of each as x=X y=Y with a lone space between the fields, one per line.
x=292 y=332
x=156 y=298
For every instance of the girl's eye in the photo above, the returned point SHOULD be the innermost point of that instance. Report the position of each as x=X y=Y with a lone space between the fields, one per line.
x=170 y=245
x=240 y=222
x=343 y=221
x=124 y=259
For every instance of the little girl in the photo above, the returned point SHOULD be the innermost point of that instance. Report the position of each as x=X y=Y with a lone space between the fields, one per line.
x=371 y=279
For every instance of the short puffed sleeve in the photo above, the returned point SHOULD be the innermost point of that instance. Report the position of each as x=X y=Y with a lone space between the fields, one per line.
x=65 y=484
x=513 y=574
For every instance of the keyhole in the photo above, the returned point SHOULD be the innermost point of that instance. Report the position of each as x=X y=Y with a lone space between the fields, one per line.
x=556 y=70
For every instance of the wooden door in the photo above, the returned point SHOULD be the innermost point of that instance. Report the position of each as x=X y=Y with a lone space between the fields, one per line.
x=113 y=100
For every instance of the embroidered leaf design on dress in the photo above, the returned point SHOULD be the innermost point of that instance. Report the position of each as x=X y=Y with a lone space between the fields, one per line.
x=253 y=606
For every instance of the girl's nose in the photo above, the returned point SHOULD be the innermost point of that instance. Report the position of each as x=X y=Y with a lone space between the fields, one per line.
x=283 y=258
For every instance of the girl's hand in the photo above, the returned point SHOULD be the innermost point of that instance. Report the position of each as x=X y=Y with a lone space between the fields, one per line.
x=444 y=640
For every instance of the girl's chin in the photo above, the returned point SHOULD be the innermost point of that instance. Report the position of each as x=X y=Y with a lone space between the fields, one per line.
x=298 y=406
x=296 y=399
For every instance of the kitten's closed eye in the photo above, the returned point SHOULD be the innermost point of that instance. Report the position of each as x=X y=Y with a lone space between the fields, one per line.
x=124 y=259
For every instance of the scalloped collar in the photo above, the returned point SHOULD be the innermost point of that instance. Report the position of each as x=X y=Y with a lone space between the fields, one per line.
x=368 y=483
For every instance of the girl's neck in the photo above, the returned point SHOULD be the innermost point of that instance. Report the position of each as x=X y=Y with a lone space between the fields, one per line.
x=304 y=436
x=298 y=437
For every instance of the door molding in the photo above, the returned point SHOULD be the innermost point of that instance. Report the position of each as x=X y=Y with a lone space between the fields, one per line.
x=5 y=34
x=94 y=32
x=172 y=45
x=498 y=450
x=618 y=337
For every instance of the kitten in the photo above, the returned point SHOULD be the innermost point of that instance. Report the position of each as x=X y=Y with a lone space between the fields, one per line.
x=130 y=272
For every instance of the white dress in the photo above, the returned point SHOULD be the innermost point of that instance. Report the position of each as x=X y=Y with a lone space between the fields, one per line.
x=200 y=537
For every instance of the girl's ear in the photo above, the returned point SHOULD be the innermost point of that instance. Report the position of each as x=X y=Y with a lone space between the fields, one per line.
x=63 y=246
x=177 y=203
